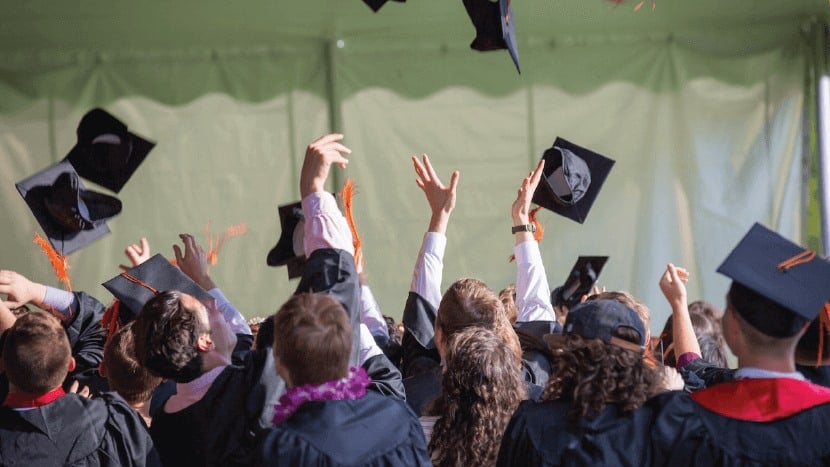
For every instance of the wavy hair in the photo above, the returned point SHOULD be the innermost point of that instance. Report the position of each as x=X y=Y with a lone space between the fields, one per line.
x=592 y=374
x=480 y=389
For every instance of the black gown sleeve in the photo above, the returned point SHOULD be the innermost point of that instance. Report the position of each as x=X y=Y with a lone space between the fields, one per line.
x=419 y=354
x=385 y=378
x=86 y=336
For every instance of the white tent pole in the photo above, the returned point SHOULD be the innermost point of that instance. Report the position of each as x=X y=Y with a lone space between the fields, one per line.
x=824 y=158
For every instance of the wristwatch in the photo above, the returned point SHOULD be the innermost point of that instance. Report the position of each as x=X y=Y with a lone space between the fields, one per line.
x=524 y=228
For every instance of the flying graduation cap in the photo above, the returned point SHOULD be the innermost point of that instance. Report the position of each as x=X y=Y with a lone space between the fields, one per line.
x=106 y=153
x=572 y=179
x=495 y=27
x=581 y=280
x=375 y=5
x=289 y=249
x=70 y=215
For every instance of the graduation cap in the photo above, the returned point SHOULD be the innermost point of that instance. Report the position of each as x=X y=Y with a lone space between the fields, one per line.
x=572 y=179
x=580 y=281
x=106 y=153
x=495 y=27
x=135 y=287
x=375 y=5
x=70 y=215
x=289 y=250
x=779 y=270
x=600 y=319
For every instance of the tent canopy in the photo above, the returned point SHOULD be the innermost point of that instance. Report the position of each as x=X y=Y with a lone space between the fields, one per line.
x=705 y=105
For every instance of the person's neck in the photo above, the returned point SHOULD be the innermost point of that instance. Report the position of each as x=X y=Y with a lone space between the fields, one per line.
x=767 y=362
x=143 y=409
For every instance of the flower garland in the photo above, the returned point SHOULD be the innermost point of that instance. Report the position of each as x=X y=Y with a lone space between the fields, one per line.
x=352 y=386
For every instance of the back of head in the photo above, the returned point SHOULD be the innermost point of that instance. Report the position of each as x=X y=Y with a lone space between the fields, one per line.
x=508 y=300
x=707 y=327
x=36 y=353
x=628 y=300
x=481 y=387
x=763 y=321
x=468 y=302
x=598 y=360
x=313 y=339
x=125 y=374
x=166 y=334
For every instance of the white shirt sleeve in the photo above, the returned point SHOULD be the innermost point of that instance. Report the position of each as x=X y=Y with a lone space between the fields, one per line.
x=232 y=316
x=532 y=290
x=324 y=226
x=429 y=268
x=368 y=347
x=370 y=314
x=58 y=299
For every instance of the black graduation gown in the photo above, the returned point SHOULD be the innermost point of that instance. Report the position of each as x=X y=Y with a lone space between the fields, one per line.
x=699 y=374
x=75 y=431
x=542 y=434
x=748 y=422
x=371 y=431
x=86 y=336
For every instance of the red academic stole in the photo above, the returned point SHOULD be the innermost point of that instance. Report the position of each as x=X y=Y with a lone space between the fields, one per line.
x=762 y=399
x=22 y=400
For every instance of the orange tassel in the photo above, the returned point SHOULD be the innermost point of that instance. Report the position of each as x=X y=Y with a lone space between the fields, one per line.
x=540 y=231
x=823 y=329
x=214 y=243
x=59 y=263
x=348 y=194
x=110 y=319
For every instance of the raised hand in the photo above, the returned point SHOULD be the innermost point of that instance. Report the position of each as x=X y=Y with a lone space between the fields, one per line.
x=441 y=198
x=672 y=284
x=319 y=156
x=20 y=290
x=193 y=262
x=521 y=207
x=137 y=253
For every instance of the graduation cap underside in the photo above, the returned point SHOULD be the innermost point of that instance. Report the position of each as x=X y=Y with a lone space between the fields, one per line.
x=495 y=27
x=572 y=179
x=581 y=280
x=106 y=153
x=135 y=287
x=376 y=5
x=289 y=248
x=71 y=216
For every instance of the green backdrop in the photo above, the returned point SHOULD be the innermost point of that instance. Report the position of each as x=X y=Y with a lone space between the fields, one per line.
x=706 y=106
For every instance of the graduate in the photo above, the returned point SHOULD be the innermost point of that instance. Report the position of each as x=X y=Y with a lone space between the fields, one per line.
x=768 y=414
x=42 y=425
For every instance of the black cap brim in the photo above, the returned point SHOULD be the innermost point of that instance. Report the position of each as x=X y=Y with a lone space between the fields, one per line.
x=599 y=167
x=137 y=286
x=34 y=191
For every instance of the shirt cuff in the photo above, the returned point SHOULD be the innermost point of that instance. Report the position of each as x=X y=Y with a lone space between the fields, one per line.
x=324 y=225
x=232 y=316
x=686 y=358
x=58 y=299
x=368 y=347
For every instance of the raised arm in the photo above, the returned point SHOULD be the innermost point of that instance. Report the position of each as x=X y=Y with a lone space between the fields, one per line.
x=21 y=291
x=532 y=290
x=672 y=284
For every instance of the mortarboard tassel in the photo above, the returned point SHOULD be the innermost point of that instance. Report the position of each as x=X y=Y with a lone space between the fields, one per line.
x=59 y=263
x=215 y=244
x=348 y=194
x=540 y=231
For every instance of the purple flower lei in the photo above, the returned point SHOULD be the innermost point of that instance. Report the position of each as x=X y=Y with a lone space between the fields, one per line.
x=352 y=386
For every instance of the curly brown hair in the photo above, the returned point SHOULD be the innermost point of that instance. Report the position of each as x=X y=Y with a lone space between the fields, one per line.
x=592 y=374
x=480 y=389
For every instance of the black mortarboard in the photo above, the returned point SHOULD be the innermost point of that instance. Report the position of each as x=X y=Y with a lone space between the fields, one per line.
x=779 y=270
x=495 y=27
x=572 y=179
x=106 y=153
x=135 y=287
x=289 y=249
x=375 y=5
x=70 y=216
x=581 y=279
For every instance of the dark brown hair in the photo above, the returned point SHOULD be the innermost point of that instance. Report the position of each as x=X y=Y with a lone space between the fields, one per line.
x=480 y=389
x=166 y=334
x=125 y=374
x=508 y=300
x=313 y=339
x=36 y=353
x=592 y=374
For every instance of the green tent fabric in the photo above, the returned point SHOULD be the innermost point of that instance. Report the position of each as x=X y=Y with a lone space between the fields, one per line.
x=706 y=106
